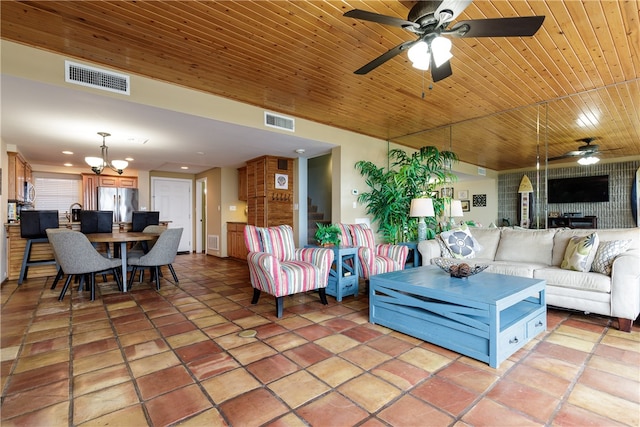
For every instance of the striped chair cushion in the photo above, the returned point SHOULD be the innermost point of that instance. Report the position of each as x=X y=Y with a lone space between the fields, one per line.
x=363 y=236
x=346 y=235
x=278 y=241
x=298 y=276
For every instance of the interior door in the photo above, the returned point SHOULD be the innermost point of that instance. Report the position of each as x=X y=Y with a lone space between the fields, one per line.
x=172 y=198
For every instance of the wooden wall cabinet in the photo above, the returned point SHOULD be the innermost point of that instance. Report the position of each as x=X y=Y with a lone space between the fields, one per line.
x=235 y=240
x=242 y=183
x=91 y=182
x=270 y=203
x=19 y=172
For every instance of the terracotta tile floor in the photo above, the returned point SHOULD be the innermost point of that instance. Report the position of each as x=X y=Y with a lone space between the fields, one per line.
x=175 y=357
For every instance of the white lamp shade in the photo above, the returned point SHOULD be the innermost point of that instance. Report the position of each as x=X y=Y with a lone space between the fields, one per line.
x=120 y=164
x=441 y=49
x=94 y=162
x=453 y=209
x=422 y=207
x=419 y=52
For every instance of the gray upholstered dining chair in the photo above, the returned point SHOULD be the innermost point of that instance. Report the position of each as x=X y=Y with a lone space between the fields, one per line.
x=163 y=252
x=77 y=257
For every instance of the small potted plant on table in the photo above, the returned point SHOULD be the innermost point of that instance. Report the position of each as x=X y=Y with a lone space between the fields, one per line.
x=328 y=234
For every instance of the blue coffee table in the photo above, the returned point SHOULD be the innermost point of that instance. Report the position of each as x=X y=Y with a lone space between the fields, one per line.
x=487 y=317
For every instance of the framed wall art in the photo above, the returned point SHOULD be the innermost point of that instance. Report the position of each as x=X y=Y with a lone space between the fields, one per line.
x=282 y=181
x=479 y=200
x=465 y=205
x=446 y=192
x=463 y=194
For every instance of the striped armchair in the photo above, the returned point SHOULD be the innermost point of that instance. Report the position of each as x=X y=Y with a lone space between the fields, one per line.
x=279 y=269
x=374 y=258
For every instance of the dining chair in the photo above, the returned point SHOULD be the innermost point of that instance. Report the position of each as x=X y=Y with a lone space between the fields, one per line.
x=33 y=226
x=77 y=257
x=163 y=252
x=97 y=222
x=141 y=219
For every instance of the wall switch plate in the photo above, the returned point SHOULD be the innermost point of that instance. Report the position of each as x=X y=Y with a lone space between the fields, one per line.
x=232 y=208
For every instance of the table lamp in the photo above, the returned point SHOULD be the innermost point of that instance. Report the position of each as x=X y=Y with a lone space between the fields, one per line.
x=421 y=208
x=453 y=209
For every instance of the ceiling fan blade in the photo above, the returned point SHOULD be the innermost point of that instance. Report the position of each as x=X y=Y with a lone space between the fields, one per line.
x=380 y=19
x=454 y=6
x=497 y=27
x=385 y=57
x=441 y=72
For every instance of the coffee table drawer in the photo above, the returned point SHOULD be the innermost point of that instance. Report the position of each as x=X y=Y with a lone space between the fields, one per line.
x=511 y=340
x=537 y=325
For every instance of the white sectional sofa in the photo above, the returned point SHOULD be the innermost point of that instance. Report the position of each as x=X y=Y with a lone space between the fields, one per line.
x=539 y=254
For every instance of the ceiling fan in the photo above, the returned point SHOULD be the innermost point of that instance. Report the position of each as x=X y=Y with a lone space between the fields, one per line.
x=429 y=20
x=586 y=152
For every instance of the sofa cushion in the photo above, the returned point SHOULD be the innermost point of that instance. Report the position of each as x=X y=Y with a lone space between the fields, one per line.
x=562 y=236
x=460 y=242
x=580 y=253
x=606 y=254
x=528 y=246
x=488 y=238
x=444 y=249
x=555 y=276
x=363 y=236
x=512 y=269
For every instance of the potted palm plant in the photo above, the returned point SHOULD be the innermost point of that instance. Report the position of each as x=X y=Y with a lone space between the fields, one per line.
x=328 y=234
x=408 y=176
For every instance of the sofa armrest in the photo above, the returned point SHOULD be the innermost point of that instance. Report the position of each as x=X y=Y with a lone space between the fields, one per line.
x=625 y=285
x=429 y=249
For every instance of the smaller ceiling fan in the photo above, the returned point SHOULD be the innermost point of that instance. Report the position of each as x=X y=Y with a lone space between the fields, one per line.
x=586 y=152
x=429 y=21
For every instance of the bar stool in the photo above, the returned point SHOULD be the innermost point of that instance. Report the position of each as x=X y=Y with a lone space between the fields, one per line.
x=33 y=226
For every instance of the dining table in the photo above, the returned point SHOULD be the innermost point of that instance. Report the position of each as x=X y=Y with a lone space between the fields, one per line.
x=123 y=238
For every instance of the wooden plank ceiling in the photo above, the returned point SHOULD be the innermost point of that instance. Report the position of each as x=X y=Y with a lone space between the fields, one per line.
x=577 y=77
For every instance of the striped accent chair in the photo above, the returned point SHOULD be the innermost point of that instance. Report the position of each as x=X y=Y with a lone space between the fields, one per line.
x=279 y=269
x=374 y=258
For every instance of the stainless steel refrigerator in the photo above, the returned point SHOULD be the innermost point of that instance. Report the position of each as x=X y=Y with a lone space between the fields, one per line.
x=122 y=201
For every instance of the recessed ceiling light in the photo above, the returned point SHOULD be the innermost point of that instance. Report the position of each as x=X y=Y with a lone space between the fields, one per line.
x=129 y=159
x=300 y=150
x=200 y=152
x=184 y=167
x=67 y=152
x=68 y=164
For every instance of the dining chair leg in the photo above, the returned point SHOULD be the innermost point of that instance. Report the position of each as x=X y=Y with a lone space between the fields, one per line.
x=65 y=287
x=133 y=275
x=116 y=274
x=279 y=306
x=256 y=296
x=93 y=286
x=173 y=272
x=59 y=275
x=157 y=272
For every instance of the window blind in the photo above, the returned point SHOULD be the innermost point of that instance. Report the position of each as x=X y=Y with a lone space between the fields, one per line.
x=56 y=193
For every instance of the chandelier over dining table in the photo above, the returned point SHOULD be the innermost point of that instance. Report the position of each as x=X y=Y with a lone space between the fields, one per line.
x=99 y=163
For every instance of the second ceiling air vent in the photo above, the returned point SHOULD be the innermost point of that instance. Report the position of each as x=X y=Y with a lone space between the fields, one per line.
x=96 y=78
x=279 y=122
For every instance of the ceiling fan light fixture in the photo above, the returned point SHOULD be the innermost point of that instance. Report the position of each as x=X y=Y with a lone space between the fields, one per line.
x=441 y=49
x=589 y=160
x=419 y=55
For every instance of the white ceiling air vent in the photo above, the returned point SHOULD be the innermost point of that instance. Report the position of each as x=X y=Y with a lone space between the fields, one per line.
x=96 y=78
x=280 y=122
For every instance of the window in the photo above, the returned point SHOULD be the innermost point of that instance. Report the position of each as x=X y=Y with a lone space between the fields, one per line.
x=56 y=192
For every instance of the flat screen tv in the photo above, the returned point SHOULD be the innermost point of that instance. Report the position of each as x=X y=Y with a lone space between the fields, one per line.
x=579 y=190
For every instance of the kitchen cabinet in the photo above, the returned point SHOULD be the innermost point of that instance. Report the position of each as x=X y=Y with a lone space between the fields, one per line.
x=19 y=172
x=117 y=181
x=270 y=183
x=235 y=240
x=91 y=182
x=242 y=183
